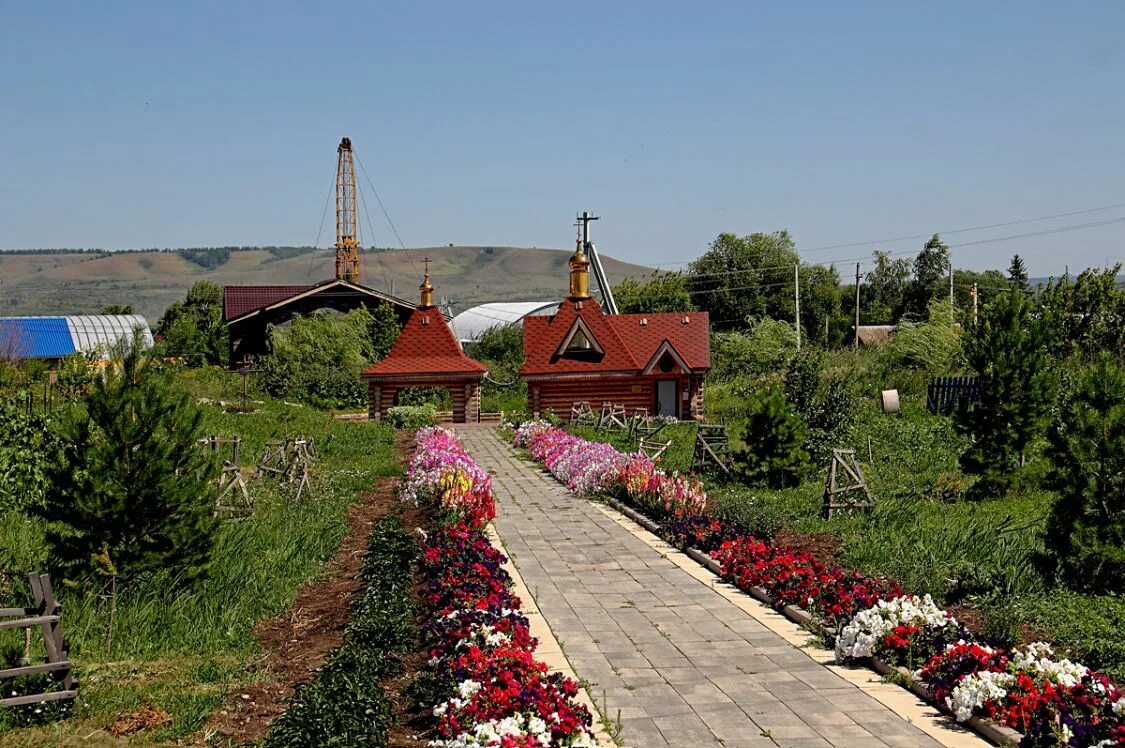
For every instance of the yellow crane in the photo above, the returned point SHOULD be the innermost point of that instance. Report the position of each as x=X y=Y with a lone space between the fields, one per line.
x=347 y=220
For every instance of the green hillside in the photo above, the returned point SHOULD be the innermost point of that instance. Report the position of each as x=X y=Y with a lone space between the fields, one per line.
x=82 y=282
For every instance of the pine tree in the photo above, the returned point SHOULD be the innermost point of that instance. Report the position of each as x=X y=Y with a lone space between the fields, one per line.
x=1008 y=350
x=768 y=444
x=133 y=489
x=931 y=267
x=1085 y=536
x=1017 y=273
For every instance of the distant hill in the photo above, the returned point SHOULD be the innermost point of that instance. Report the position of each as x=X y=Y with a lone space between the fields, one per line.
x=84 y=281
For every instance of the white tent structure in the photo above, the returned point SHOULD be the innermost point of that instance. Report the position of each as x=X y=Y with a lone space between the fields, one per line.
x=471 y=323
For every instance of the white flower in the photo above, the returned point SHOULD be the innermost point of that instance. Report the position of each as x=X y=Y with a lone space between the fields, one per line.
x=467 y=688
x=1119 y=707
x=1037 y=658
x=861 y=636
x=973 y=691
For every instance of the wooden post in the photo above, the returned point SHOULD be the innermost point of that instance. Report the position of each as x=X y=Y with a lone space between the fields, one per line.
x=855 y=343
x=797 y=300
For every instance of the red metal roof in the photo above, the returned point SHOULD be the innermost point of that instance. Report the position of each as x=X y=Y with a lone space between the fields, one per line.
x=628 y=344
x=425 y=346
x=240 y=300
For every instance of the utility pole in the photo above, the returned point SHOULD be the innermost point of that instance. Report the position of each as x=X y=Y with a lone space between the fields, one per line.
x=855 y=341
x=951 y=293
x=974 y=304
x=797 y=298
x=596 y=262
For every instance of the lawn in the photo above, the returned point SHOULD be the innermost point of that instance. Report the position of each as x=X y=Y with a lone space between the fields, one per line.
x=184 y=653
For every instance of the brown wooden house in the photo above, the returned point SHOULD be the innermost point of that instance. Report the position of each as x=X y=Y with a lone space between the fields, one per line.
x=651 y=361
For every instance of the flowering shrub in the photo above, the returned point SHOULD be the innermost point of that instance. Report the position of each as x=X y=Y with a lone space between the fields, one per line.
x=1052 y=702
x=483 y=678
x=442 y=475
x=901 y=630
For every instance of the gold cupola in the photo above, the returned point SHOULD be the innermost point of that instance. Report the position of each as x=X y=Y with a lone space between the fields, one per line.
x=579 y=274
x=427 y=288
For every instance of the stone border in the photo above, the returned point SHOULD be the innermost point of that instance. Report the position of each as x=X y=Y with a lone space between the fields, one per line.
x=549 y=651
x=905 y=703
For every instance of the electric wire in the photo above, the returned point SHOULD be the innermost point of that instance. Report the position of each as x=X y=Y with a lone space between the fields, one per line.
x=319 y=231
x=387 y=215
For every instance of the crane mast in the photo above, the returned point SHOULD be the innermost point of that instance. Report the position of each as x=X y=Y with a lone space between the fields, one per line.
x=347 y=221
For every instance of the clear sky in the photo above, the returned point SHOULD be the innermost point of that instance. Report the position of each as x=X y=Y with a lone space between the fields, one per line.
x=159 y=124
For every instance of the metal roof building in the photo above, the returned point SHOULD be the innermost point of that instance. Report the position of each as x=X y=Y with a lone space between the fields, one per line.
x=55 y=337
x=471 y=323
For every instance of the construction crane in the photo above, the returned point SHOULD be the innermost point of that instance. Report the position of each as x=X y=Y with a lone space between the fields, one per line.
x=347 y=220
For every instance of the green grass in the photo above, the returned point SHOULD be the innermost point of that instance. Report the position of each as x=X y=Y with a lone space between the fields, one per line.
x=184 y=652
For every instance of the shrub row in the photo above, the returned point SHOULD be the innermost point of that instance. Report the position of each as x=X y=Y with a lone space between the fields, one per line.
x=345 y=705
x=1052 y=701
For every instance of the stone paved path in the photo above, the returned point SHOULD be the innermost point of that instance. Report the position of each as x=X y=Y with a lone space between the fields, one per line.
x=684 y=665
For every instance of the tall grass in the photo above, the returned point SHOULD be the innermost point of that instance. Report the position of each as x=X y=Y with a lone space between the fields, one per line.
x=183 y=651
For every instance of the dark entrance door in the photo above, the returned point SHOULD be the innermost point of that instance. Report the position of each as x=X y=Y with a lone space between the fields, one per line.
x=667 y=398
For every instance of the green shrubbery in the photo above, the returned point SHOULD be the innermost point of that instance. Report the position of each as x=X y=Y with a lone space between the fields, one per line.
x=130 y=491
x=345 y=704
x=317 y=359
x=411 y=416
x=767 y=442
x=1086 y=531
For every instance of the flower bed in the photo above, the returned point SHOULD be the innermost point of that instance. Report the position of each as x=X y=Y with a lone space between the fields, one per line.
x=443 y=476
x=1051 y=702
x=483 y=677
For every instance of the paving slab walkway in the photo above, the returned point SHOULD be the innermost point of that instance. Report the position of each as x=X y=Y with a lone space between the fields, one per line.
x=675 y=660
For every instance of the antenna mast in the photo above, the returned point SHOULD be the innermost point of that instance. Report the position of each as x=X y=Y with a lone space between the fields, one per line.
x=596 y=262
x=347 y=220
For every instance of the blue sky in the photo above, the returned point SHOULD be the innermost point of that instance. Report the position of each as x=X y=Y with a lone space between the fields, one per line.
x=158 y=124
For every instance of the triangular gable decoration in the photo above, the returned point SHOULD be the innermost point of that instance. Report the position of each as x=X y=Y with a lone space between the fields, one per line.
x=665 y=348
x=580 y=340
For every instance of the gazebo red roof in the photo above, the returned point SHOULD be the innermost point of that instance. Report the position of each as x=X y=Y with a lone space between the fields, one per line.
x=628 y=341
x=425 y=346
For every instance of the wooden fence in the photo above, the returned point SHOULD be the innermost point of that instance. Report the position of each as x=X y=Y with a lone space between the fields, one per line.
x=944 y=393
x=47 y=616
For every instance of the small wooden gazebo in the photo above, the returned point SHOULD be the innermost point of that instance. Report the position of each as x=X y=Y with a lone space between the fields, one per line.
x=426 y=354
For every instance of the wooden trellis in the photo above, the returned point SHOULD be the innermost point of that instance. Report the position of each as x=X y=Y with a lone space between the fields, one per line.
x=845 y=489
x=274 y=460
x=612 y=418
x=712 y=449
x=581 y=414
x=233 y=501
x=653 y=449
x=47 y=617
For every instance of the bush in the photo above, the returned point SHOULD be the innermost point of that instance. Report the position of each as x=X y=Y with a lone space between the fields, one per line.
x=767 y=349
x=767 y=442
x=1085 y=535
x=131 y=491
x=28 y=444
x=411 y=416
x=827 y=406
x=933 y=345
x=317 y=359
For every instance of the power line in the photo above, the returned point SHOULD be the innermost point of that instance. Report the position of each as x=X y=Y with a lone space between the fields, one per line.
x=387 y=215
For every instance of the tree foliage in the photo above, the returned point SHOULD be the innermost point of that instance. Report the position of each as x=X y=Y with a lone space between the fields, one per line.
x=663 y=292
x=318 y=359
x=194 y=328
x=1086 y=530
x=931 y=269
x=884 y=295
x=28 y=444
x=766 y=349
x=1086 y=316
x=740 y=278
x=1008 y=350
x=767 y=441
x=1017 y=273
x=131 y=491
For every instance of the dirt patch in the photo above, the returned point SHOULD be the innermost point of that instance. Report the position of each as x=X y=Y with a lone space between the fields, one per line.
x=144 y=718
x=824 y=546
x=297 y=642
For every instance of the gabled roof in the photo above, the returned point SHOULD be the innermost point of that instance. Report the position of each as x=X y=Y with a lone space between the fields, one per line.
x=425 y=346
x=688 y=332
x=544 y=336
x=239 y=301
x=243 y=301
x=629 y=341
